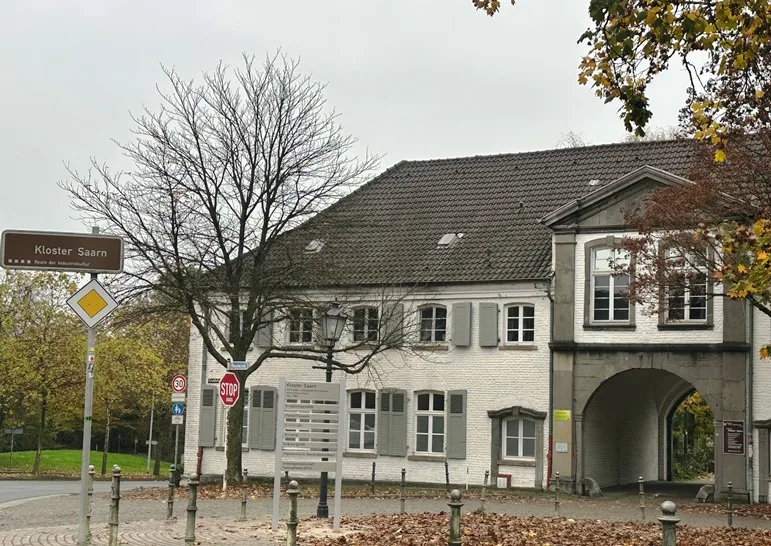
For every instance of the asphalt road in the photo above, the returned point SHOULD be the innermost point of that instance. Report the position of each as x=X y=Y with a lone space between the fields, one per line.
x=11 y=490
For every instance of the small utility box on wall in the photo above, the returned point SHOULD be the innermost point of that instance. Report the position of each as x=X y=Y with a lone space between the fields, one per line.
x=503 y=481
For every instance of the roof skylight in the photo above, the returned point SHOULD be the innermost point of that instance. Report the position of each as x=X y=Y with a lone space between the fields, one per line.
x=314 y=246
x=449 y=239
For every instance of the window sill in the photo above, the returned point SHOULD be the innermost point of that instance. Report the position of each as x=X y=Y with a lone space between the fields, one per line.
x=360 y=455
x=609 y=326
x=686 y=326
x=431 y=347
x=517 y=462
x=518 y=347
x=428 y=458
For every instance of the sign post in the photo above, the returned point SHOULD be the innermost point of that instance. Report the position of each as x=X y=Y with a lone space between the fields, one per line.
x=311 y=419
x=13 y=432
x=178 y=385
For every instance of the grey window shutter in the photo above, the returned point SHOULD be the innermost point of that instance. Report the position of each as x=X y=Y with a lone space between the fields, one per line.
x=206 y=421
x=384 y=424
x=393 y=326
x=398 y=424
x=264 y=337
x=461 y=324
x=269 y=415
x=488 y=324
x=456 y=425
x=255 y=417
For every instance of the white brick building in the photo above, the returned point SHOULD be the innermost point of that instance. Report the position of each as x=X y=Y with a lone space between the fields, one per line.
x=530 y=345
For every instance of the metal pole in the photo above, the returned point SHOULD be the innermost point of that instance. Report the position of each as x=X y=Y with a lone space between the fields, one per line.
x=372 y=483
x=85 y=457
x=730 y=504
x=484 y=490
x=556 y=494
x=150 y=441
x=447 y=475
x=291 y=525
x=191 y=510
x=322 y=510
x=244 y=485
x=176 y=443
x=642 y=498
x=90 y=503
x=455 y=505
x=114 y=506
x=170 y=501
x=668 y=524
x=12 y=435
x=403 y=491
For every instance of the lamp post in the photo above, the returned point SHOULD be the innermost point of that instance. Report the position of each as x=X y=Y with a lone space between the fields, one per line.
x=332 y=324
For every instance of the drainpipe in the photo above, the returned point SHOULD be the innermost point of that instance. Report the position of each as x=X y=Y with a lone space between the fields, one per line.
x=748 y=383
x=551 y=381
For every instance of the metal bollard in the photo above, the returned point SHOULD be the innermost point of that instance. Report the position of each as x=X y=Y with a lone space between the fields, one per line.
x=291 y=525
x=191 y=510
x=91 y=474
x=455 y=505
x=403 y=494
x=668 y=523
x=244 y=486
x=170 y=500
x=114 y=505
x=642 y=498
x=556 y=494
x=447 y=476
x=730 y=511
x=372 y=483
x=484 y=490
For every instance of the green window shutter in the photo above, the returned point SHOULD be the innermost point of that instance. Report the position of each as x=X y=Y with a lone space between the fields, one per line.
x=264 y=336
x=206 y=420
x=456 y=425
x=488 y=324
x=269 y=416
x=384 y=424
x=393 y=326
x=398 y=424
x=255 y=417
x=461 y=324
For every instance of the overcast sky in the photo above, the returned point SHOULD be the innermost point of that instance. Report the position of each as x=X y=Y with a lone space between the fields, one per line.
x=412 y=79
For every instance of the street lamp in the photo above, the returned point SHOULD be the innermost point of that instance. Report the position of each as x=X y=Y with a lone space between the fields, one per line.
x=332 y=324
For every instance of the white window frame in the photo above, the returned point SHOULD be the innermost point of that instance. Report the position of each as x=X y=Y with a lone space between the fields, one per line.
x=362 y=412
x=687 y=267
x=521 y=320
x=431 y=414
x=302 y=321
x=433 y=330
x=369 y=334
x=612 y=276
x=520 y=438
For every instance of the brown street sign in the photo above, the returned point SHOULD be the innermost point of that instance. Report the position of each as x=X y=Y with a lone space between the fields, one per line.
x=56 y=251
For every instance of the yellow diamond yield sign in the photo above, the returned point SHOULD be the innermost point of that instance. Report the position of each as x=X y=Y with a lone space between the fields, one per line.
x=92 y=303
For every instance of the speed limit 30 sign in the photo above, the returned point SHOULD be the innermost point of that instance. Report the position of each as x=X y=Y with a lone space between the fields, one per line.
x=179 y=383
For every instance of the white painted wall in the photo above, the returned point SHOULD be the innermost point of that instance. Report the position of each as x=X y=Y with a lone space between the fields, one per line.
x=494 y=379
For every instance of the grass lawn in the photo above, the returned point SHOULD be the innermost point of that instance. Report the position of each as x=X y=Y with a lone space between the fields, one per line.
x=67 y=461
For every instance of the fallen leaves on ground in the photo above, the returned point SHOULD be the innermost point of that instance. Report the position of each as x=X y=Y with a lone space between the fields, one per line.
x=499 y=530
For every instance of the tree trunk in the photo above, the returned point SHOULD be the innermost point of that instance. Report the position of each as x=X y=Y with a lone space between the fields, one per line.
x=158 y=448
x=235 y=422
x=106 y=446
x=41 y=432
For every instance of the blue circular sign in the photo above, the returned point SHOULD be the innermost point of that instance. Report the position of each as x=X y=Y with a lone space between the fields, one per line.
x=178 y=408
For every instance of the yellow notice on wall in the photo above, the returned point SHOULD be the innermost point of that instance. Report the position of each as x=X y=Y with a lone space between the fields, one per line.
x=562 y=415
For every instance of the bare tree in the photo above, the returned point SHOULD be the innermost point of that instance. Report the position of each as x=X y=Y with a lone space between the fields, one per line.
x=222 y=173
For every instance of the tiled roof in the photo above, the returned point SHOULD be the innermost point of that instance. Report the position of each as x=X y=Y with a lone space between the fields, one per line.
x=387 y=230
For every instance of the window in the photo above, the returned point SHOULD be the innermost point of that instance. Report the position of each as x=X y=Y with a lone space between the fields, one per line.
x=433 y=324
x=365 y=324
x=430 y=423
x=686 y=296
x=520 y=324
x=609 y=288
x=245 y=422
x=301 y=326
x=518 y=438
x=361 y=421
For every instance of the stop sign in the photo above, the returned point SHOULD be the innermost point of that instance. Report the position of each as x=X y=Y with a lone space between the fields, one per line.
x=229 y=389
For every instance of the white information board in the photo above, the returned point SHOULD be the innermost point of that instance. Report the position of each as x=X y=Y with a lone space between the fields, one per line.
x=310 y=434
